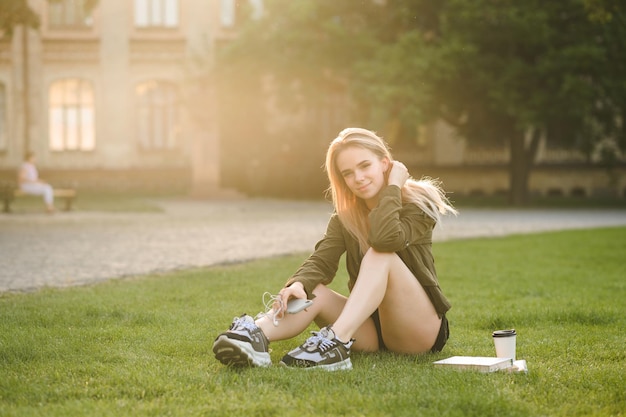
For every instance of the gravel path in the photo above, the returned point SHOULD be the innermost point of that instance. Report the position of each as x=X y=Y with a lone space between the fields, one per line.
x=75 y=248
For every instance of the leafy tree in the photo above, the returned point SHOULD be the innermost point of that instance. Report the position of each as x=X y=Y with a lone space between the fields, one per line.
x=511 y=72
x=15 y=13
x=297 y=43
x=500 y=71
x=514 y=72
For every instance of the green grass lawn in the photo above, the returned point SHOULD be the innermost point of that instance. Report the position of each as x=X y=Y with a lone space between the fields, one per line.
x=142 y=347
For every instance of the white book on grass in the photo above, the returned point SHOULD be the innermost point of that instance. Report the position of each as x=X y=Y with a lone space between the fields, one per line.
x=477 y=363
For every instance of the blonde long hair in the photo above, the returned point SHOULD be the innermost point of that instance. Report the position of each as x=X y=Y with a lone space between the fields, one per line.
x=426 y=193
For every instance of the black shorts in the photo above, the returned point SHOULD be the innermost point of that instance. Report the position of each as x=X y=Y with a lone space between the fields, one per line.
x=440 y=342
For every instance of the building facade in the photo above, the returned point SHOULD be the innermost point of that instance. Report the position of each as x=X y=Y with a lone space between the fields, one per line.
x=113 y=92
x=120 y=96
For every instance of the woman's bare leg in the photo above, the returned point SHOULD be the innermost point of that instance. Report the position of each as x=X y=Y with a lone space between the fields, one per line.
x=365 y=335
x=327 y=306
x=290 y=325
x=408 y=319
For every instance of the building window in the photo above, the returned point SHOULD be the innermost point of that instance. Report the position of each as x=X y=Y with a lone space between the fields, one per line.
x=156 y=13
x=64 y=14
x=232 y=12
x=71 y=116
x=157 y=115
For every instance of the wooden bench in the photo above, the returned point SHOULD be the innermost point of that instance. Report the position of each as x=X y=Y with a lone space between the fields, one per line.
x=10 y=194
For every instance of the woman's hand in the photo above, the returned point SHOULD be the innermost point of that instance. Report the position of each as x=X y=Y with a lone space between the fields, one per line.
x=295 y=290
x=398 y=174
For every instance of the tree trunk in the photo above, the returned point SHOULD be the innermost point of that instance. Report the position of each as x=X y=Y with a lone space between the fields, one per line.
x=521 y=162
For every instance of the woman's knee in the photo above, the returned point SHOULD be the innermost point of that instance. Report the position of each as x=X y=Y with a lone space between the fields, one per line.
x=377 y=256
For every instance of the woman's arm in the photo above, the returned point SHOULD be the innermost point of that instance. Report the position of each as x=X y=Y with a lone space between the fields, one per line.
x=394 y=226
x=321 y=266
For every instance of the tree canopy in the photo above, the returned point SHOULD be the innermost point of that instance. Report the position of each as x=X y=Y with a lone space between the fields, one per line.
x=499 y=71
x=14 y=13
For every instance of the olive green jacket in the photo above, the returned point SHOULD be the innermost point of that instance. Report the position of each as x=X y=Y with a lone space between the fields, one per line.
x=394 y=227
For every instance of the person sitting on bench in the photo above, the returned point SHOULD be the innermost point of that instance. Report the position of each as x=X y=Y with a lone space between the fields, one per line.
x=30 y=183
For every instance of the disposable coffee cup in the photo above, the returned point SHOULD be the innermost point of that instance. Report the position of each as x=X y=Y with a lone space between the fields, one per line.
x=504 y=341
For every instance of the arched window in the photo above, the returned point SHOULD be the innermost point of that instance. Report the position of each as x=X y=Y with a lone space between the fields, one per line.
x=71 y=110
x=157 y=115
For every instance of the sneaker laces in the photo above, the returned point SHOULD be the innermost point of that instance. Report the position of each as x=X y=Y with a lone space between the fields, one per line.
x=268 y=302
x=241 y=322
x=319 y=340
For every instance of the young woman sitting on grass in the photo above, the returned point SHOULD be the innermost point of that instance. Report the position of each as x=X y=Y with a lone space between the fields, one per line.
x=383 y=221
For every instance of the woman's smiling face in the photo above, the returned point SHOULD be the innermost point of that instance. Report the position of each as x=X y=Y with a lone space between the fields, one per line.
x=364 y=173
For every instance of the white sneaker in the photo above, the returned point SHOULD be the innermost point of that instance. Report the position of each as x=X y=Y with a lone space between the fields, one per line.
x=323 y=351
x=244 y=344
